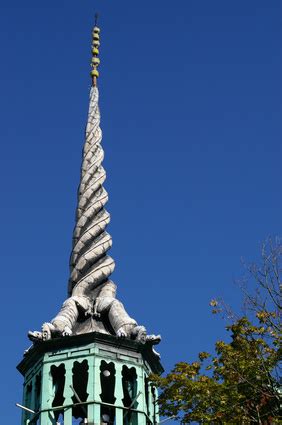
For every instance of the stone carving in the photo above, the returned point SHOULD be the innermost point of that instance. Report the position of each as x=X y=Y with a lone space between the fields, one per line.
x=92 y=303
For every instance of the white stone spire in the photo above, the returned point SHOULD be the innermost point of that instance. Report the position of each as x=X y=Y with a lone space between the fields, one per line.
x=89 y=263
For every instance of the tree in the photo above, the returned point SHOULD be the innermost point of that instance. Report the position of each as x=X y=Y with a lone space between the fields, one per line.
x=240 y=383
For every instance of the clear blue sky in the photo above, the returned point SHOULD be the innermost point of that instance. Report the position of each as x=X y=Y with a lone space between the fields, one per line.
x=191 y=105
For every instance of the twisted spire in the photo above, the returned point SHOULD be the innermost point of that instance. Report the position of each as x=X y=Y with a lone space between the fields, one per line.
x=91 y=304
x=89 y=263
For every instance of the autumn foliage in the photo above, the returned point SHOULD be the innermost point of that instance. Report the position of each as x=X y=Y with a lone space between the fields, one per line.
x=239 y=384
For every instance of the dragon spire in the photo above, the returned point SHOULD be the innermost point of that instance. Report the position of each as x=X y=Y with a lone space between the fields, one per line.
x=92 y=304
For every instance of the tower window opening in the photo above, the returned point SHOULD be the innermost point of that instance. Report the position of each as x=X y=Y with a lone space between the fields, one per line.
x=79 y=385
x=107 y=415
x=58 y=379
x=108 y=382
x=38 y=381
x=146 y=384
x=129 y=386
x=154 y=395
x=27 y=400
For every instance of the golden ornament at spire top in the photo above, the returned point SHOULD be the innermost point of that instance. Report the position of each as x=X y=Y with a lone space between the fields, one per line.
x=95 y=52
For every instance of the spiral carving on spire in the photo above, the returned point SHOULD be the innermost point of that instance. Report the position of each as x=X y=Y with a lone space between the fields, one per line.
x=89 y=263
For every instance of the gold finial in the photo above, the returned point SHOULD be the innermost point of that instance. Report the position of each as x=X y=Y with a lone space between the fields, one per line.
x=95 y=52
